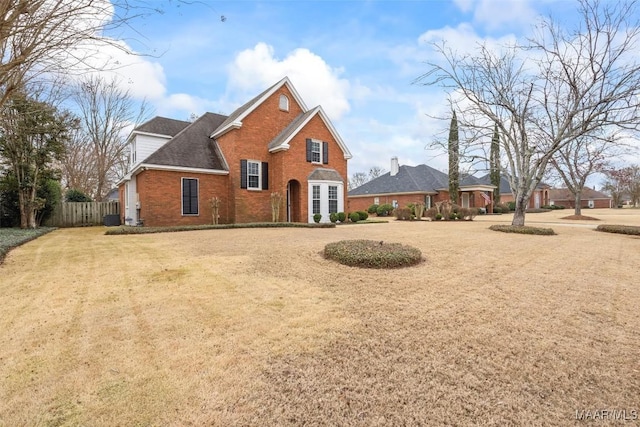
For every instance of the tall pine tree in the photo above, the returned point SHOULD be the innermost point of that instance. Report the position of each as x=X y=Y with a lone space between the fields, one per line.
x=454 y=162
x=494 y=164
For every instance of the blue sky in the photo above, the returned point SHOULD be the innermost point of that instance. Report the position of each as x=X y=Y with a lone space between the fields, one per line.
x=358 y=59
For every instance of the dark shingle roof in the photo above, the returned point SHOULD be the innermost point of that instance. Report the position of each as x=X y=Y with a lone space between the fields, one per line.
x=323 y=174
x=192 y=147
x=290 y=129
x=162 y=126
x=409 y=179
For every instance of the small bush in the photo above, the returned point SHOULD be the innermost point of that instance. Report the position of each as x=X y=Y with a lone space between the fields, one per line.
x=363 y=215
x=438 y=217
x=333 y=217
x=522 y=229
x=431 y=213
x=511 y=206
x=373 y=209
x=497 y=210
x=453 y=216
x=342 y=217
x=403 y=214
x=317 y=218
x=467 y=213
x=384 y=210
x=354 y=216
x=632 y=230
x=372 y=254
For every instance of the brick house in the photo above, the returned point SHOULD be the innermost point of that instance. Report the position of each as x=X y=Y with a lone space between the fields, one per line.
x=590 y=198
x=539 y=197
x=271 y=144
x=410 y=184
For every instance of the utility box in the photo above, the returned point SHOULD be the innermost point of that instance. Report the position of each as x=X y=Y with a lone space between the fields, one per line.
x=111 y=220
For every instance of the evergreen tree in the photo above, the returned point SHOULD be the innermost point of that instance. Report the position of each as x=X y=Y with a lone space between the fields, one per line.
x=454 y=162
x=494 y=164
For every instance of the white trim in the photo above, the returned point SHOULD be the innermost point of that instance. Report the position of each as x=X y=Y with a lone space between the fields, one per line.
x=182 y=195
x=147 y=166
x=283 y=102
x=317 y=110
x=237 y=123
x=320 y=149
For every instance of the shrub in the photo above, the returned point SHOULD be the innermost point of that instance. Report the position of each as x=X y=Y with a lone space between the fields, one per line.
x=511 y=206
x=333 y=217
x=431 y=213
x=342 y=217
x=74 y=195
x=522 y=229
x=363 y=215
x=373 y=209
x=467 y=213
x=497 y=209
x=453 y=216
x=317 y=218
x=372 y=254
x=632 y=230
x=354 y=216
x=419 y=210
x=438 y=217
x=384 y=210
x=403 y=214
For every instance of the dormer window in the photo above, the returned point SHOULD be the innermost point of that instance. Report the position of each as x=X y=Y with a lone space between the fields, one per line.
x=284 y=103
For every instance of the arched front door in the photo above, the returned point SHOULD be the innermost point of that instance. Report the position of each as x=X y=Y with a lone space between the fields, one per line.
x=293 y=201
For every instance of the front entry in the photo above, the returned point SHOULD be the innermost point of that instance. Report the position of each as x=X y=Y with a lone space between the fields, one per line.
x=293 y=201
x=465 y=200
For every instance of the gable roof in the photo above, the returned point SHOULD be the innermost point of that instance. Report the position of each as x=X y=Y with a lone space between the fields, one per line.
x=192 y=147
x=505 y=187
x=281 y=141
x=409 y=179
x=235 y=119
x=587 y=193
x=162 y=126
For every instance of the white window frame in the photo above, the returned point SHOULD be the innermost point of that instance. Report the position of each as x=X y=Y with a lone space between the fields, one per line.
x=324 y=198
x=259 y=166
x=283 y=103
x=330 y=199
x=376 y=200
x=319 y=152
x=316 y=197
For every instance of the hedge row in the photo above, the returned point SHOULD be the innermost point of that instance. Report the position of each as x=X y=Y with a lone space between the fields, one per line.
x=524 y=229
x=632 y=230
x=150 y=230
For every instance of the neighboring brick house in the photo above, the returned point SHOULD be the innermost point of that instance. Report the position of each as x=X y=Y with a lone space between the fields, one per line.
x=590 y=198
x=273 y=143
x=410 y=184
x=539 y=197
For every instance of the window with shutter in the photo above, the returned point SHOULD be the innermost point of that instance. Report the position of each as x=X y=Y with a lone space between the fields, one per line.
x=189 y=196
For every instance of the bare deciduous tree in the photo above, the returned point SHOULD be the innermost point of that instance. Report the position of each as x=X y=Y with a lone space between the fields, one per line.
x=357 y=179
x=98 y=156
x=562 y=86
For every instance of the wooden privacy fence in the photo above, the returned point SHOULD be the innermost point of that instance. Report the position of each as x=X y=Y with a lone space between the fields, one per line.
x=80 y=214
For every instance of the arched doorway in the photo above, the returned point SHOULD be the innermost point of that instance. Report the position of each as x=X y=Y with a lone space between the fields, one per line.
x=293 y=201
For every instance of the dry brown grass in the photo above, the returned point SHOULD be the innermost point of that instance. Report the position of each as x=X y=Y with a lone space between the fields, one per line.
x=255 y=327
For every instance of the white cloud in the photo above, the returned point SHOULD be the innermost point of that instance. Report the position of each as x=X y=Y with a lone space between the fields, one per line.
x=318 y=83
x=499 y=14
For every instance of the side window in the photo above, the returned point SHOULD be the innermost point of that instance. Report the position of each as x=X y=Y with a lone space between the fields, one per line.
x=254 y=175
x=316 y=199
x=189 y=196
x=284 y=103
x=317 y=151
x=333 y=199
x=376 y=200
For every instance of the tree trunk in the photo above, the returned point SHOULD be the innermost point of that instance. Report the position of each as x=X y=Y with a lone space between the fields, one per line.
x=24 y=221
x=518 y=214
x=578 y=201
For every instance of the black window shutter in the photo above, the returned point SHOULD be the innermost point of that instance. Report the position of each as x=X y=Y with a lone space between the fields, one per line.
x=193 y=193
x=265 y=175
x=309 y=154
x=325 y=153
x=243 y=173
